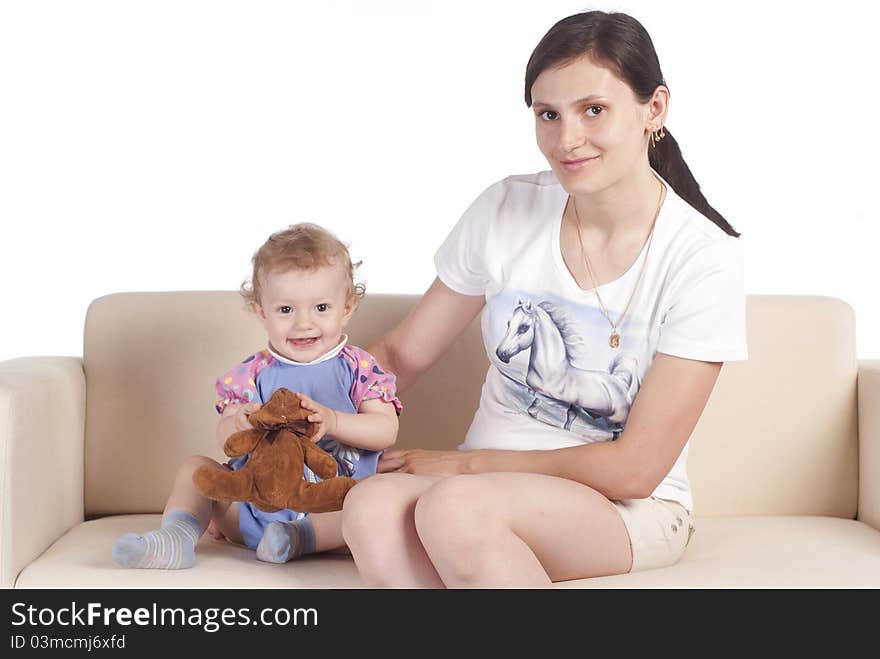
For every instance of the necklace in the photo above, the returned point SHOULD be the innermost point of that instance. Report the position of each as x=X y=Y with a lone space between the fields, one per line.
x=614 y=339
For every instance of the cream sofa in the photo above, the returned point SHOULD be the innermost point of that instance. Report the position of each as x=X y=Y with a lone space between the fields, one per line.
x=785 y=462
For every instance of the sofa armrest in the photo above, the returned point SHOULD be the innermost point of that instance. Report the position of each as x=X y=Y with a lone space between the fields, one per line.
x=42 y=430
x=869 y=442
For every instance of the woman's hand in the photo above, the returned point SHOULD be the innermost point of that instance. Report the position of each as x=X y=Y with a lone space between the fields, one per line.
x=323 y=416
x=421 y=461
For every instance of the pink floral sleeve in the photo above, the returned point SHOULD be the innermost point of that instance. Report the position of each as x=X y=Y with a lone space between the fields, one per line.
x=370 y=380
x=239 y=385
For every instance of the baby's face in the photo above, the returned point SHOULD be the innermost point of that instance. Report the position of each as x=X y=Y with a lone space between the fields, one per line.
x=305 y=311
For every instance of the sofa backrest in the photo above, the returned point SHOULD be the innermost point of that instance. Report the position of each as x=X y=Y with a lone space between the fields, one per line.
x=779 y=435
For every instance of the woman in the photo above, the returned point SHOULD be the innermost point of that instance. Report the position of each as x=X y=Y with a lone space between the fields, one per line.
x=613 y=294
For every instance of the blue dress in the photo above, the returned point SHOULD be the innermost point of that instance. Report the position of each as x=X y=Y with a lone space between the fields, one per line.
x=340 y=383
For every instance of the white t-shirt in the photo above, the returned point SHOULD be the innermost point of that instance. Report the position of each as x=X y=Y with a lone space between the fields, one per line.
x=554 y=381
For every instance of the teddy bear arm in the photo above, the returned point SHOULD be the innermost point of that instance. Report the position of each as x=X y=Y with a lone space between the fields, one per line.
x=241 y=442
x=319 y=461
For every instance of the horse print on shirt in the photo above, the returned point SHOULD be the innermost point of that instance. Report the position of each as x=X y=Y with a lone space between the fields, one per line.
x=554 y=340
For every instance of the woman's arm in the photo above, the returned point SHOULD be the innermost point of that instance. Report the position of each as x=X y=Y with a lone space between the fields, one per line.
x=666 y=410
x=420 y=339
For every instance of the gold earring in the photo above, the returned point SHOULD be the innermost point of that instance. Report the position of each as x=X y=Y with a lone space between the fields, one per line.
x=656 y=136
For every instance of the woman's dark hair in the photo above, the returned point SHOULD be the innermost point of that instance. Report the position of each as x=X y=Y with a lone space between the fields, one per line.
x=620 y=43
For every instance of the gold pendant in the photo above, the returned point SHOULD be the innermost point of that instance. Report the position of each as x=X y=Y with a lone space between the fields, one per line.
x=614 y=341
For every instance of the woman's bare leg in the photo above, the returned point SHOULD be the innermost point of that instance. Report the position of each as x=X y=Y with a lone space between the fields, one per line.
x=378 y=524
x=518 y=529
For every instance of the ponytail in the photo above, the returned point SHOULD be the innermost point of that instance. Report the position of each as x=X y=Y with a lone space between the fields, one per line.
x=666 y=160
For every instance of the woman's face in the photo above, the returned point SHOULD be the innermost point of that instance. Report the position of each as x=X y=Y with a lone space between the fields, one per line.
x=590 y=126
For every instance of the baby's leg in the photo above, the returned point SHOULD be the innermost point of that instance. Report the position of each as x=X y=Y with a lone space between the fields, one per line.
x=328 y=530
x=185 y=518
x=225 y=519
x=286 y=541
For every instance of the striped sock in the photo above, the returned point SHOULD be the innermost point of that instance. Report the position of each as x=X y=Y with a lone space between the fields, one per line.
x=286 y=541
x=170 y=548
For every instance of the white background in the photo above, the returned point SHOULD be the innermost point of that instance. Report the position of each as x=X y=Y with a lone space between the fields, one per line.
x=154 y=145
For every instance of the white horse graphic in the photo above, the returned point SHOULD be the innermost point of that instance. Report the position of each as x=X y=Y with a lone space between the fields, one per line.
x=555 y=343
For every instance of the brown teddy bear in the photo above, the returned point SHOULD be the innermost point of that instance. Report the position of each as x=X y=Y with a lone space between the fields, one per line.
x=272 y=478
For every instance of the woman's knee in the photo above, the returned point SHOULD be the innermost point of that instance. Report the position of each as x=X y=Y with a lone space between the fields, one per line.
x=369 y=505
x=458 y=510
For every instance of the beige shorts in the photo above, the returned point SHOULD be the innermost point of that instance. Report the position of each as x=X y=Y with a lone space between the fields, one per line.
x=659 y=531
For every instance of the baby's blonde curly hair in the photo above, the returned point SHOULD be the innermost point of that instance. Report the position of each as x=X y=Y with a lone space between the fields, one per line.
x=303 y=246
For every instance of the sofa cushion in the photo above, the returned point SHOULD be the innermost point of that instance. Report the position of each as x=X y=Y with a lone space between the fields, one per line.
x=725 y=552
x=81 y=559
x=766 y=552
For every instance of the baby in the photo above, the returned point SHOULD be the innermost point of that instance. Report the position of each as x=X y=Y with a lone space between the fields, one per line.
x=302 y=289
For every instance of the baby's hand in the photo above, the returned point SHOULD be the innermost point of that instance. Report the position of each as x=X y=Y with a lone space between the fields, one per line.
x=323 y=416
x=242 y=413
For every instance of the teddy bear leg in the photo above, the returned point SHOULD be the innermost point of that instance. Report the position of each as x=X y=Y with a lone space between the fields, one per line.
x=323 y=497
x=222 y=485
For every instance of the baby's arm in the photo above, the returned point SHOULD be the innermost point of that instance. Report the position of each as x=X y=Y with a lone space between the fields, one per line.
x=373 y=427
x=237 y=391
